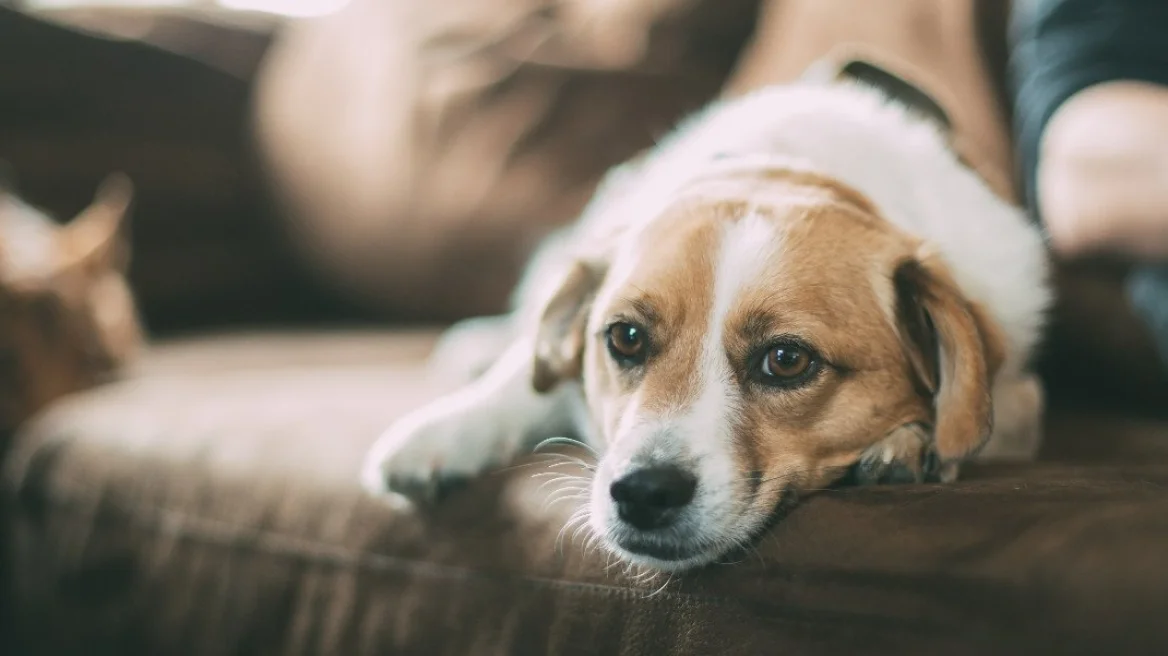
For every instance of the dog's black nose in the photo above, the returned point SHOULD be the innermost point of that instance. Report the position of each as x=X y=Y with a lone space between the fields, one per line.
x=651 y=497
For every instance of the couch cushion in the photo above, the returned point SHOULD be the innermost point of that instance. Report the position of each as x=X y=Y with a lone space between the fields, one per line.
x=209 y=504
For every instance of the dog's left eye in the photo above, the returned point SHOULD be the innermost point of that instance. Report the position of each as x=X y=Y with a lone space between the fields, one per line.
x=785 y=364
x=626 y=343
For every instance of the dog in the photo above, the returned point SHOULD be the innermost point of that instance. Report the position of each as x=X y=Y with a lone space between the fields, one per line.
x=797 y=286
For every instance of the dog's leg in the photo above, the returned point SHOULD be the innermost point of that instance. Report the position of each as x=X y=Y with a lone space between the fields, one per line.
x=486 y=423
x=1018 y=409
x=466 y=350
x=904 y=456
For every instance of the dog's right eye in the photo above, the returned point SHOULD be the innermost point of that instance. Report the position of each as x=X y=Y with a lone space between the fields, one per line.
x=626 y=343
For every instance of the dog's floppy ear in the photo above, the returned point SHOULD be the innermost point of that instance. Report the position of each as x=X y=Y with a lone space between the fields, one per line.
x=953 y=350
x=559 y=341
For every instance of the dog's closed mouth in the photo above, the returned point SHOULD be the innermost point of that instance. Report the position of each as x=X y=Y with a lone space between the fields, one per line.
x=659 y=550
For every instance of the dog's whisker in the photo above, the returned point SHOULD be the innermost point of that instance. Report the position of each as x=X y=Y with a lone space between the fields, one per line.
x=560 y=477
x=564 y=441
x=544 y=458
x=578 y=517
x=561 y=496
x=668 y=580
x=560 y=460
x=575 y=463
x=562 y=481
x=570 y=487
x=644 y=575
x=607 y=563
x=629 y=570
x=552 y=480
x=581 y=513
x=548 y=504
x=573 y=491
x=547 y=474
x=589 y=540
x=564 y=484
x=558 y=545
x=583 y=526
x=593 y=544
x=572 y=522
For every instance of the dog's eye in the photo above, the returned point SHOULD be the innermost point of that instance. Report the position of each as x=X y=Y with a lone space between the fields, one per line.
x=786 y=364
x=626 y=343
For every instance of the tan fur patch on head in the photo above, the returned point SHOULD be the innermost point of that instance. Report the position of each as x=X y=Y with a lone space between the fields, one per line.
x=668 y=293
x=820 y=292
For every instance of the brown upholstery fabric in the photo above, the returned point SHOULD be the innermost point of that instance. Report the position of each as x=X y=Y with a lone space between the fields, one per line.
x=209 y=506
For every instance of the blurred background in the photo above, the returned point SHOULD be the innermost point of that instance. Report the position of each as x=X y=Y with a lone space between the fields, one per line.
x=328 y=160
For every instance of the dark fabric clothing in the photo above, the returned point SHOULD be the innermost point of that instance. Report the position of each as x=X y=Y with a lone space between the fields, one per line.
x=1147 y=291
x=1060 y=47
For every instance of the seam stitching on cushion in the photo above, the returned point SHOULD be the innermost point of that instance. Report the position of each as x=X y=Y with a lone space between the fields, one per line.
x=191 y=528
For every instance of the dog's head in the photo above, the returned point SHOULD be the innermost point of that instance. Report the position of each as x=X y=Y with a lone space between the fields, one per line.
x=749 y=344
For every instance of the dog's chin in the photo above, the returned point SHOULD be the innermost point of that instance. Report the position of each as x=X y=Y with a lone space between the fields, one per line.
x=694 y=540
x=662 y=556
x=674 y=550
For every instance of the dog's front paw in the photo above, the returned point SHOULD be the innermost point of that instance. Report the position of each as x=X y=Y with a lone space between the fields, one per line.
x=905 y=456
x=428 y=454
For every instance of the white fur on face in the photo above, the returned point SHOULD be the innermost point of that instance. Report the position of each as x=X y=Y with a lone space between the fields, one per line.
x=699 y=437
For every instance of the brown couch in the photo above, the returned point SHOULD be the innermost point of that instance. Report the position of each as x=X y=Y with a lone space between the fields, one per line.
x=208 y=504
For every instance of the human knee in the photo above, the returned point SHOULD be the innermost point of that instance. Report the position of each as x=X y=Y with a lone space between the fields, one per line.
x=1103 y=171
